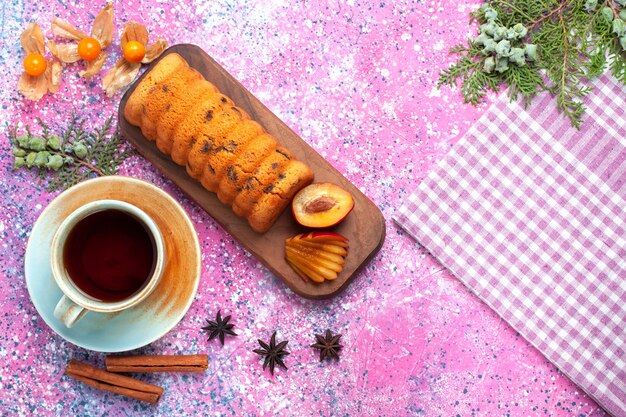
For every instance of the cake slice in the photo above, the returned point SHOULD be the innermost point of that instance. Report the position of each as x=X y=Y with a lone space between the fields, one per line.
x=168 y=65
x=243 y=166
x=234 y=145
x=211 y=138
x=187 y=132
x=263 y=177
x=182 y=102
x=277 y=196
x=160 y=99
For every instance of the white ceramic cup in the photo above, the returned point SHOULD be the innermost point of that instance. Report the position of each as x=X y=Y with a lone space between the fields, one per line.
x=75 y=303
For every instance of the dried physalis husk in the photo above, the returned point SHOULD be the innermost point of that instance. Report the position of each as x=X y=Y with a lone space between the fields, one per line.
x=87 y=47
x=125 y=70
x=40 y=75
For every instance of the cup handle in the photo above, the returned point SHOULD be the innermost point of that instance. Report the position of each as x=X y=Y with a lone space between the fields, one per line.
x=69 y=312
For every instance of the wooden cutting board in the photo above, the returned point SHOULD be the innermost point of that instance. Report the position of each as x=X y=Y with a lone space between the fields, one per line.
x=364 y=226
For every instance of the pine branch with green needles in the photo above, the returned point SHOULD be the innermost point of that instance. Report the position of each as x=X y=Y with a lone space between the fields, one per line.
x=72 y=155
x=531 y=46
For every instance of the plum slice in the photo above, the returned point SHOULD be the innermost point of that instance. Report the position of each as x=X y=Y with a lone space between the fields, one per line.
x=318 y=256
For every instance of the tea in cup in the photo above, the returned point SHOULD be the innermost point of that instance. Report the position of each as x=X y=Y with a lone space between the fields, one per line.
x=107 y=256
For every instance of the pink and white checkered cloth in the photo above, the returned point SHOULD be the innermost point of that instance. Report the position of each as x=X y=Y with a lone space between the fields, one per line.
x=530 y=214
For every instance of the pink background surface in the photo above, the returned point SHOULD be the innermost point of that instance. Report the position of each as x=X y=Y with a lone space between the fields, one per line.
x=357 y=81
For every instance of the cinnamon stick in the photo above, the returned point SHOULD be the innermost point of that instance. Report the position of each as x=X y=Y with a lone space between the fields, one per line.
x=157 y=363
x=118 y=384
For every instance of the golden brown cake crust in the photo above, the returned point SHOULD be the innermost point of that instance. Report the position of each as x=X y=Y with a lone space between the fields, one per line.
x=181 y=104
x=161 y=97
x=265 y=176
x=241 y=168
x=234 y=145
x=211 y=137
x=274 y=199
x=186 y=133
x=165 y=67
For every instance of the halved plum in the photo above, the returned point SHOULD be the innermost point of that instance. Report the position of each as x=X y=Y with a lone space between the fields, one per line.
x=321 y=205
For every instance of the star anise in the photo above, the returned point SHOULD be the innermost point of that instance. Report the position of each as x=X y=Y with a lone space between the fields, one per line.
x=328 y=344
x=273 y=353
x=220 y=327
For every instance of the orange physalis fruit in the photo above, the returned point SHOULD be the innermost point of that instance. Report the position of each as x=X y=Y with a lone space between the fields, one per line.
x=89 y=49
x=134 y=51
x=35 y=64
x=40 y=75
x=137 y=50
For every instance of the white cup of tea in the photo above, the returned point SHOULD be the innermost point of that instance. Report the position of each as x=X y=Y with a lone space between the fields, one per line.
x=106 y=256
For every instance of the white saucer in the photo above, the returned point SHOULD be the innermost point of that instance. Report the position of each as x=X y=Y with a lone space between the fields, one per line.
x=155 y=316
